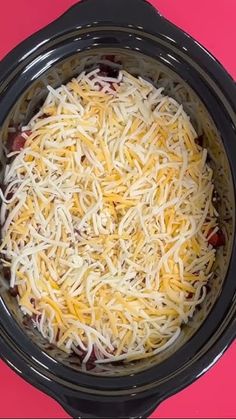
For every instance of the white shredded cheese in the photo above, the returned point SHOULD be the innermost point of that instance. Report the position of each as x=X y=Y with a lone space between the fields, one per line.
x=106 y=226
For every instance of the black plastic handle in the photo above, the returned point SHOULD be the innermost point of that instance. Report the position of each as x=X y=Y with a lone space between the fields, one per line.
x=133 y=408
x=138 y=13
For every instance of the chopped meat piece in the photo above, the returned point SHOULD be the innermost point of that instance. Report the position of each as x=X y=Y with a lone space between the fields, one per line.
x=199 y=140
x=14 y=291
x=90 y=364
x=7 y=273
x=57 y=335
x=107 y=71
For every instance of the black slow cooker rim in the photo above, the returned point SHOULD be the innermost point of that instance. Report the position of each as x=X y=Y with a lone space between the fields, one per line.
x=23 y=362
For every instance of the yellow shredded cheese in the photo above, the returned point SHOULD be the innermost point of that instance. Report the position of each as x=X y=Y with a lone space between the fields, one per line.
x=106 y=227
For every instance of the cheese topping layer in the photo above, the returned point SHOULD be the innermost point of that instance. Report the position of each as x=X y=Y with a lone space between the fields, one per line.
x=106 y=214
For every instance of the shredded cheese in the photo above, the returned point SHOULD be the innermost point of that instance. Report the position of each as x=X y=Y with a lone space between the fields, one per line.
x=105 y=229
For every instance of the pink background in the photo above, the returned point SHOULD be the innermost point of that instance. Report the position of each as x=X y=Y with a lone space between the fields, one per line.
x=211 y=22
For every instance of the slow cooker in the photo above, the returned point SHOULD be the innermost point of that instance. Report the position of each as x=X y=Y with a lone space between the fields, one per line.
x=144 y=43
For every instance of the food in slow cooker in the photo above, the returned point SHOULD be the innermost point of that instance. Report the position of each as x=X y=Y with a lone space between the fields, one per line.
x=109 y=229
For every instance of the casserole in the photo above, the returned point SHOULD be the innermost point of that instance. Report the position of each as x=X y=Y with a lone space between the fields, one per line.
x=144 y=43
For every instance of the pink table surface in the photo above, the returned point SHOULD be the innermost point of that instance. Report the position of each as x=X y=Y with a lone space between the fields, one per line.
x=211 y=22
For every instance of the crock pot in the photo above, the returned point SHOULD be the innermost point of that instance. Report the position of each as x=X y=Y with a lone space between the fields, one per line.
x=143 y=42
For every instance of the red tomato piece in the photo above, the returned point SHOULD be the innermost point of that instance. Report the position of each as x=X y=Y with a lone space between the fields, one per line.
x=217 y=239
x=16 y=141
